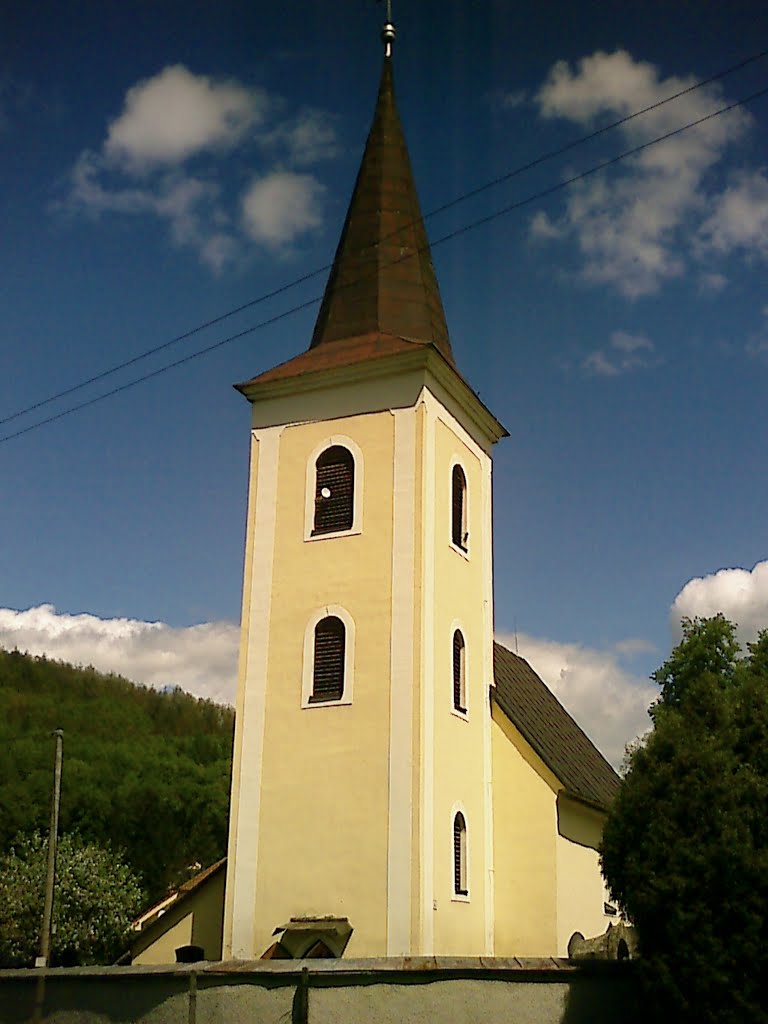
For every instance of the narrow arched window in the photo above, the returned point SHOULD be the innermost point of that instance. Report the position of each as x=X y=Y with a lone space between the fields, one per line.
x=459 y=531
x=459 y=672
x=334 y=490
x=460 y=855
x=328 y=663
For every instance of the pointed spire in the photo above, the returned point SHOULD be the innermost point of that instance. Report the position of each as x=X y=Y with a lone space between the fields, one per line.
x=388 y=32
x=382 y=280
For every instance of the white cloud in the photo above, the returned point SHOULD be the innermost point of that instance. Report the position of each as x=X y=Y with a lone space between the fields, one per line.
x=4 y=90
x=739 y=219
x=189 y=205
x=629 y=344
x=142 y=167
x=740 y=594
x=543 y=227
x=609 y=702
x=598 y=364
x=513 y=100
x=218 y=250
x=175 y=114
x=630 y=223
x=625 y=352
x=200 y=659
x=307 y=139
x=88 y=193
x=606 y=699
x=757 y=344
x=634 y=645
x=16 y=95
x=278 y=207
x=712 y=282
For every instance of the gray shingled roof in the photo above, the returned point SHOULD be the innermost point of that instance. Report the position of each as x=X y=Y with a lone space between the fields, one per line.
x=543 y=721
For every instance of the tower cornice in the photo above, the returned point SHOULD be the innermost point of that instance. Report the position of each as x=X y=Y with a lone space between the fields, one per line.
x=409 y=367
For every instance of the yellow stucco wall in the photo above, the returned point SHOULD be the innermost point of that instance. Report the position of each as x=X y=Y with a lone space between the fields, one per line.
x=196 y=920
x=525 y=849
x=547 y=873
x=459 y=742
x=163 y=950
x=580 y=888
x=311 y=785
x=322 y=847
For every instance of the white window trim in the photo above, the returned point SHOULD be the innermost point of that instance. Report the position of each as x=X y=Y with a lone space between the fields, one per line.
x=456 y=461
x=311 y=484
x=308 y=669
x=462 y=715
x=457 y=897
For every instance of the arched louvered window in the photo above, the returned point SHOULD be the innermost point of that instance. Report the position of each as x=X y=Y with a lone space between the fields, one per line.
x=459 y=531
x=459 y=672
x=328 y=661
x=334 y=491
x=460 y=855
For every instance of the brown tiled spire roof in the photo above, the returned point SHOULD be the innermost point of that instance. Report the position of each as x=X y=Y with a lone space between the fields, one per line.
x=382 y=281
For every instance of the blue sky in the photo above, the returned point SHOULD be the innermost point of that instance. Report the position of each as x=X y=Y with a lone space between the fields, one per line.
x=165 y=163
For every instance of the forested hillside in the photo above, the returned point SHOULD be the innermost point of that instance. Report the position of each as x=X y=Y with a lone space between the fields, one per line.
x=145 y=772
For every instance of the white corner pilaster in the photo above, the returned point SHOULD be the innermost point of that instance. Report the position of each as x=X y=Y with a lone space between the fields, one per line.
x=253 y=681
x=487 y=555
x=400 y=834
x=427 y=795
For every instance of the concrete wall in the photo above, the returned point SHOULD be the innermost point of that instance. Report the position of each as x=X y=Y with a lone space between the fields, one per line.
x=381 y=991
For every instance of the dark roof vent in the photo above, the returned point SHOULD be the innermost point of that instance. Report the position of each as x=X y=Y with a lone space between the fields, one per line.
x=190 y=954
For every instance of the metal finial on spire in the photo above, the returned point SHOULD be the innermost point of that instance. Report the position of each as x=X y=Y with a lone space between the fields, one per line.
x=388 y=32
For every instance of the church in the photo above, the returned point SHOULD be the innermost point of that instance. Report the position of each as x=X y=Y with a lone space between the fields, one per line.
x=400 y=781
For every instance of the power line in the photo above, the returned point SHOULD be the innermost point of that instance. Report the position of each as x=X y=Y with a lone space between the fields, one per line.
x=599 y=167
x=543 y=194
x=593 y=135
x=166 y=344
x=493 y=183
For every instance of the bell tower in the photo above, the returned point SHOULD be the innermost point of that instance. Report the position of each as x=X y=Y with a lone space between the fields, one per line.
x=361 y=783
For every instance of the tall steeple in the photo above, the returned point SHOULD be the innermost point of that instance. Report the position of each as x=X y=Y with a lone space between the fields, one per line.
x=361 y=783
x=382 y=281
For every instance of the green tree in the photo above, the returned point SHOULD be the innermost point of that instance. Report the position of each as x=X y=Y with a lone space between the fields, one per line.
x=96 y=898
x=144 y=771
x=685 y=847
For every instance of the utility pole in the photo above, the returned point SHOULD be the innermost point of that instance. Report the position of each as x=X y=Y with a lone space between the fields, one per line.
x=53 y=839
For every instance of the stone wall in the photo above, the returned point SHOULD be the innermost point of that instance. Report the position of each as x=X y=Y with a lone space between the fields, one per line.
x=400 y=991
